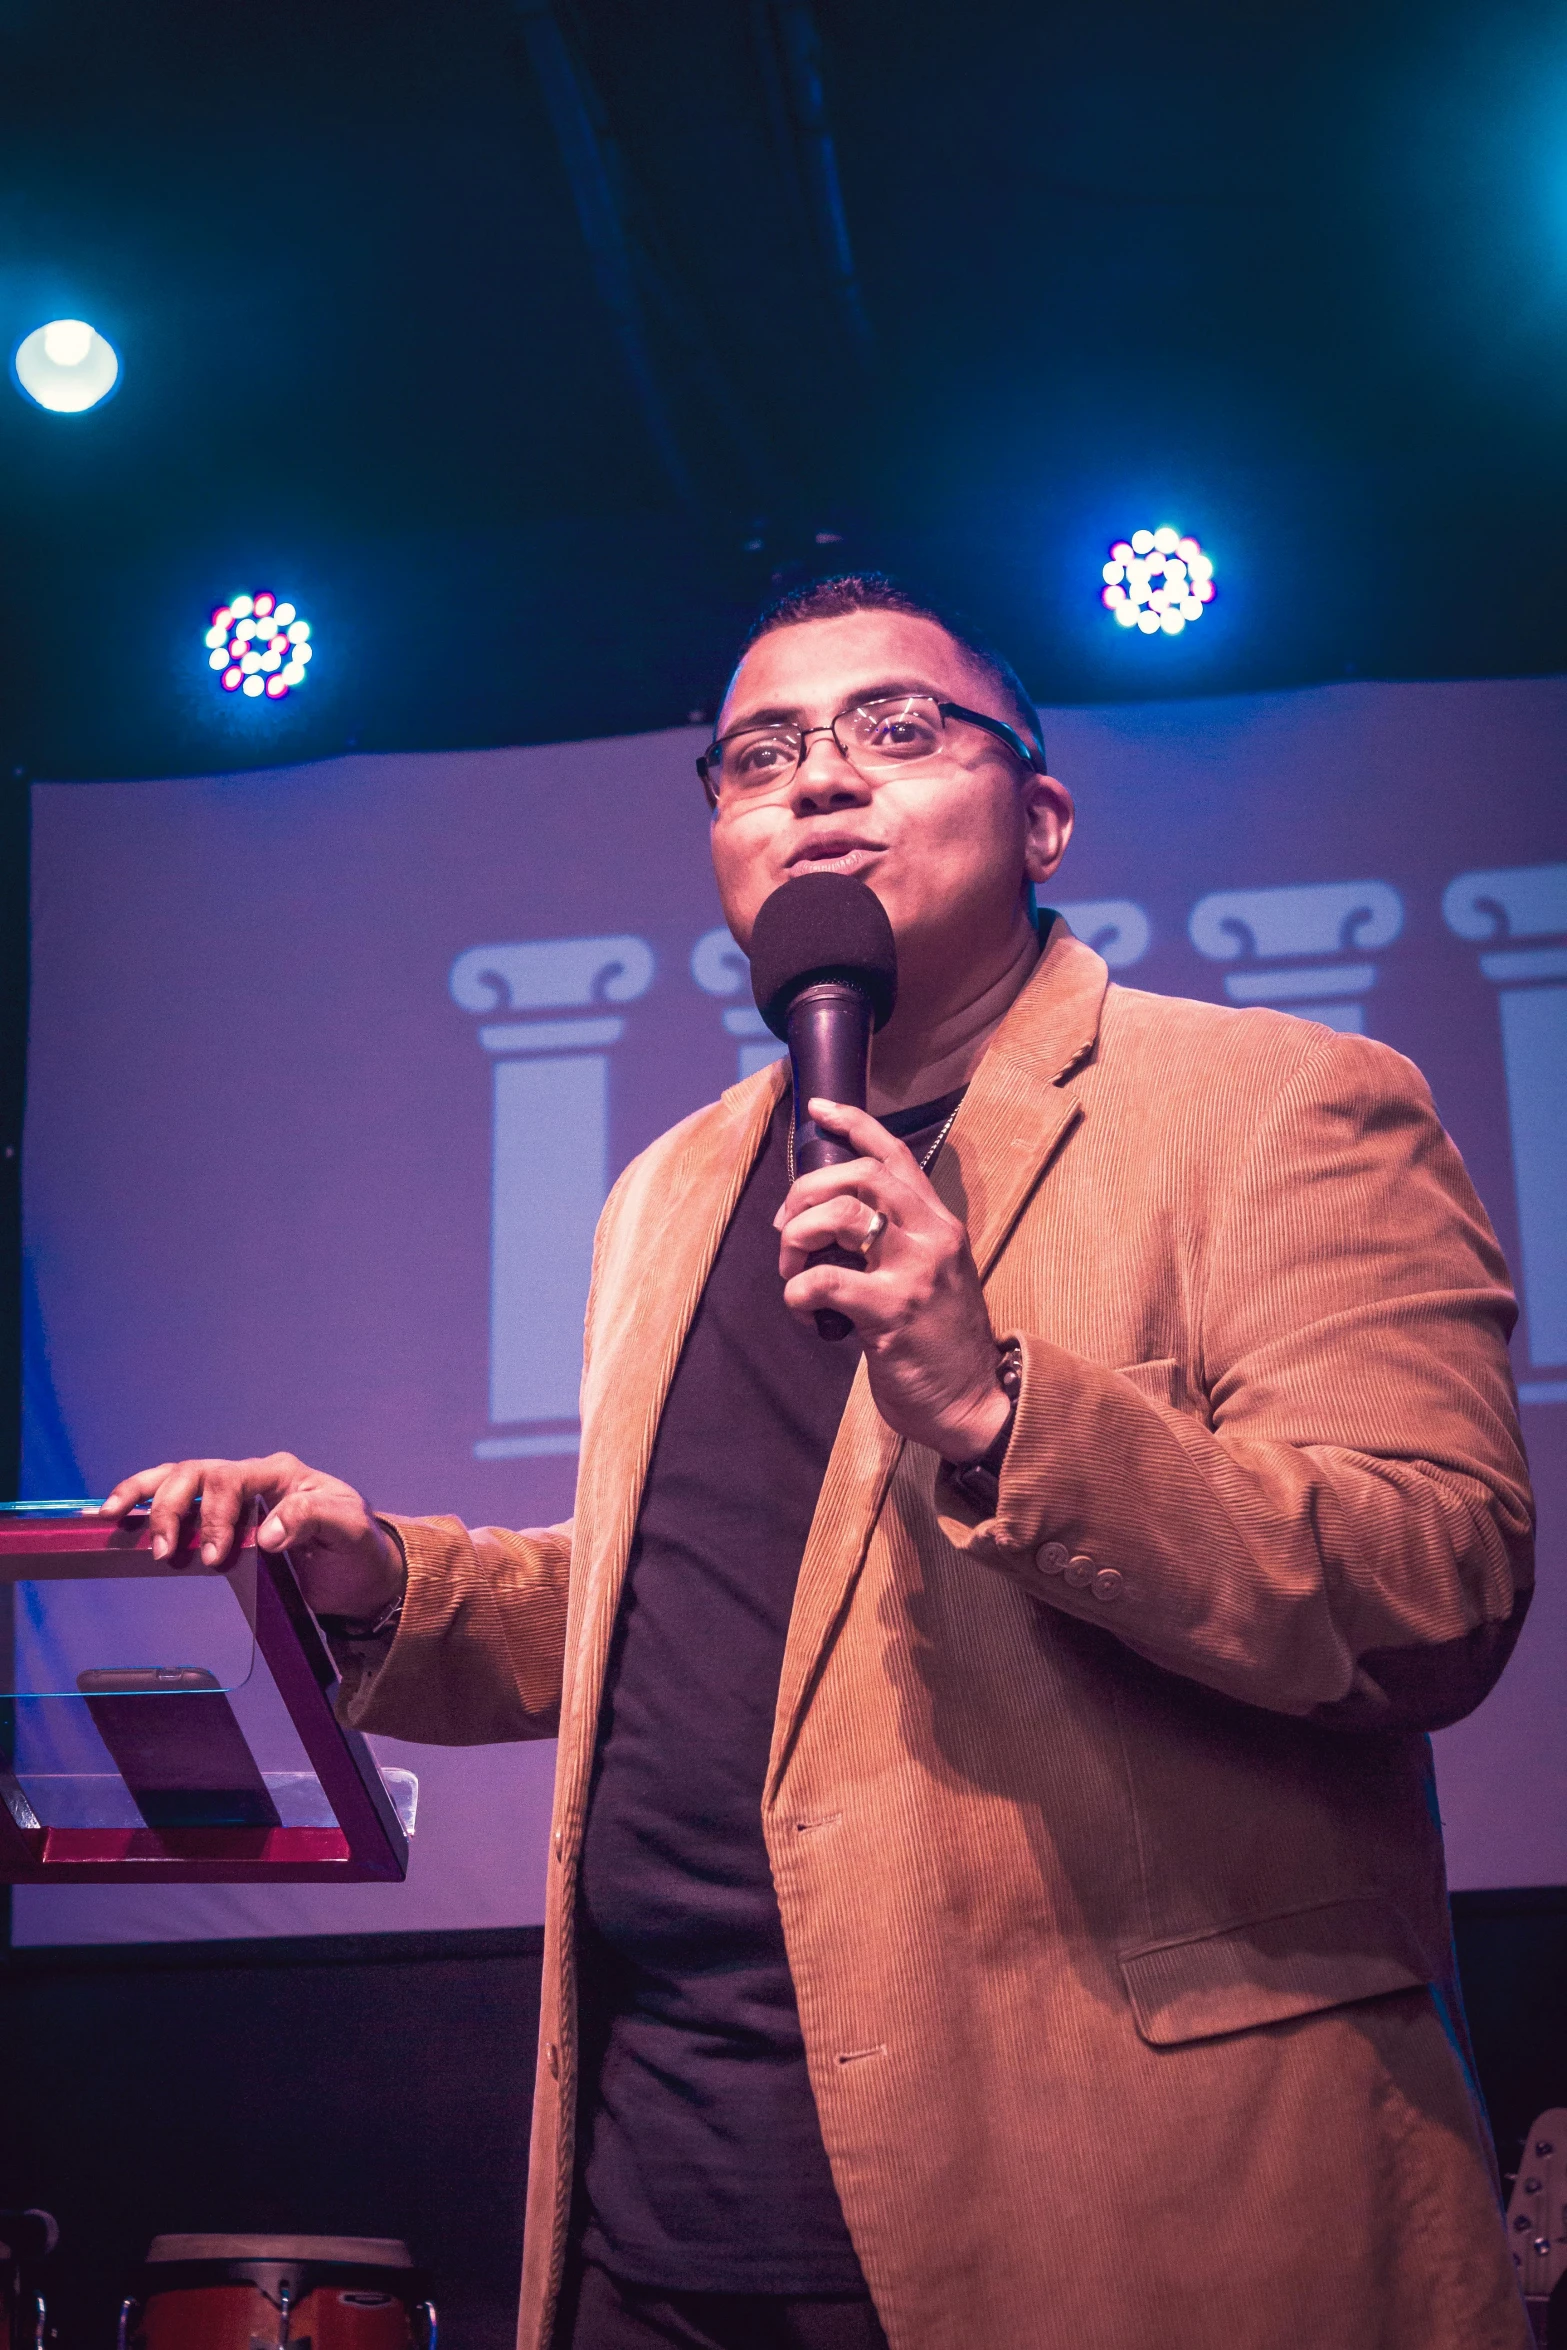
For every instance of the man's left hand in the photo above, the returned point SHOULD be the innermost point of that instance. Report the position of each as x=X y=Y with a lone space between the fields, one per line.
x=930 y=1353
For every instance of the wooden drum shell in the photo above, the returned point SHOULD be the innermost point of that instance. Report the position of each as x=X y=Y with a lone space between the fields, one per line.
x=241 y=2299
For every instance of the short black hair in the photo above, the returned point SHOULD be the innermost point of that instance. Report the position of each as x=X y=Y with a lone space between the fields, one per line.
x=874 y=591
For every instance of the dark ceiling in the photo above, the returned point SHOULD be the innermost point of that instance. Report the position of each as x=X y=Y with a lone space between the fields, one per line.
x=524 y=347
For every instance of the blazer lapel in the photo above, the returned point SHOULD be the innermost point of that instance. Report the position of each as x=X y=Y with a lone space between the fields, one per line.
x=1018 y=1109
x=1015 y=1116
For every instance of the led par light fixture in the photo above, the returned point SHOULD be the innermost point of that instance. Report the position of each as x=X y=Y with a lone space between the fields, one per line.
x=257 y=647
x=1157 y=582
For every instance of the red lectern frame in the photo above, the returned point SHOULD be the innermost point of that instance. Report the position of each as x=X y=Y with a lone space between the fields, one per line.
x=368 y=1843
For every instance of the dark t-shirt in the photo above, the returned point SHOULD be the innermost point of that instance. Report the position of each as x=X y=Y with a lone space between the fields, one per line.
x=702 y=2165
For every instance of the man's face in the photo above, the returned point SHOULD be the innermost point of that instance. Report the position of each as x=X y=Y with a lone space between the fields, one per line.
x=946 y=843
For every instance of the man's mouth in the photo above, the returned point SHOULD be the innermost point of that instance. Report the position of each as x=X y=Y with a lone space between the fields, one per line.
x=834 y=856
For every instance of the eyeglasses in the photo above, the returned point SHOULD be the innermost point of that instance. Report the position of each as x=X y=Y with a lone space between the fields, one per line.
x=877 y=738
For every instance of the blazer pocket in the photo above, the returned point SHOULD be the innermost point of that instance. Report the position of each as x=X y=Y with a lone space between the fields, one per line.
x=1268 y=1969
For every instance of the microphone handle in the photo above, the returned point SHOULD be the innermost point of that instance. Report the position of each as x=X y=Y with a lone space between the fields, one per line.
x=830 y=1055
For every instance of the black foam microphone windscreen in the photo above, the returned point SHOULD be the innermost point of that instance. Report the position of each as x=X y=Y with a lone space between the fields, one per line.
x=822 y=926
x=824 y=971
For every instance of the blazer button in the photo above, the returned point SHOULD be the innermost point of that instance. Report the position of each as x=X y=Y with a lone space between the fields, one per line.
x=560 y=1842
x=1052 y=1558
x=1079 y=1570
x=1107 y=1583
x=552 y=2059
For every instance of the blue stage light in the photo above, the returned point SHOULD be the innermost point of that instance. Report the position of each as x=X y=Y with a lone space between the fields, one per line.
x=66 y=366
x=258 y=646
x=1157 y=582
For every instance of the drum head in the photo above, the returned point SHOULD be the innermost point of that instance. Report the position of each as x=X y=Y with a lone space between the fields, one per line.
x=350 y=2251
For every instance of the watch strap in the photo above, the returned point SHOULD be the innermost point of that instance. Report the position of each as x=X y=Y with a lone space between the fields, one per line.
x=979 y=1482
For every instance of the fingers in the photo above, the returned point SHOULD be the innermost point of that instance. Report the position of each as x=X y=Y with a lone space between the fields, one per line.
x=873 y=1301
x=886 y=1169
x=202 y=1504
x=227 y=1489
x=876 y=1182
x=850 y=1223
x=847 y=1175
x=131 y=1491
x=345 y=1560
x=172 y=1503
x=859 y=1128
x=318 y=1510
x=840 y=1204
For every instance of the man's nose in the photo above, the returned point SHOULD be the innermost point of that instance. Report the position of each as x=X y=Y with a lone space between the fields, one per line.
x=824 y=778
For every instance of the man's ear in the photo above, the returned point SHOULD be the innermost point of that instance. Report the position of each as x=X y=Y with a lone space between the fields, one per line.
x=1048 y=815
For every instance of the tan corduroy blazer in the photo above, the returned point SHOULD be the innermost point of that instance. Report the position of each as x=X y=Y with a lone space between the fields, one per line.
x=1102 y=1830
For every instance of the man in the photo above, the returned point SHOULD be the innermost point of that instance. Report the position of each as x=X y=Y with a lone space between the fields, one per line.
x=995 y=1896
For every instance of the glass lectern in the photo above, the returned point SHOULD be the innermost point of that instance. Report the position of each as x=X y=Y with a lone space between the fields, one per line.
x=171 y=1723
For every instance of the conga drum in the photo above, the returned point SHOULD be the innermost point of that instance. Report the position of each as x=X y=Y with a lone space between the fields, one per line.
x=278 y=2293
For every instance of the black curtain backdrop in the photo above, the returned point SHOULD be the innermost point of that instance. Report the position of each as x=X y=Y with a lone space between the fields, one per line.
x=382 y=2085
x=375 y=2086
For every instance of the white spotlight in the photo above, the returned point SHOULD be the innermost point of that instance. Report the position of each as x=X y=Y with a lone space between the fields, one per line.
x=1184 y=573
x=68 y=341
x=66 y=366
x=259 y=645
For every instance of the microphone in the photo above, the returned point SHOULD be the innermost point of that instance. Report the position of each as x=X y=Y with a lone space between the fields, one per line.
x=824 y=972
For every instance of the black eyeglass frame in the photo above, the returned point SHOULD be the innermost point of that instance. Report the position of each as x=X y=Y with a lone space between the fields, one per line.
x=1031 y=758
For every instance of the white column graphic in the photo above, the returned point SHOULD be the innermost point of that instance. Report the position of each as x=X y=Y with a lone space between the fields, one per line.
x=550 y=1167
x=1320 y=919
x=1530 y=902
x=719 y=968
x=1113 y=927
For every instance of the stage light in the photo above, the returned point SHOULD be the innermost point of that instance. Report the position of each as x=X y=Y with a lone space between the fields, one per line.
x=68 y=341
x=259 y=645
x=66 y=366
x=1157 y=582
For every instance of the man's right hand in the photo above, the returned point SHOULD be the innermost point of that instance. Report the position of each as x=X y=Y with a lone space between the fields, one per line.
x=347 y=1565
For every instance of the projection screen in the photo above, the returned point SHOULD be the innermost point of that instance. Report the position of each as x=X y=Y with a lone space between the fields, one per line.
x=331 y=1068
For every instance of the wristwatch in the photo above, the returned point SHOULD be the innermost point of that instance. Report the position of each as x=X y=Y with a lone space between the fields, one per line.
x=382 y=1626
x=359 y=1628
x=979 y=1482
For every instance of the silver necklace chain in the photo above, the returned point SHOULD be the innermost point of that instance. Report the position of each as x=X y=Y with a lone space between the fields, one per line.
x=924 y=1165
